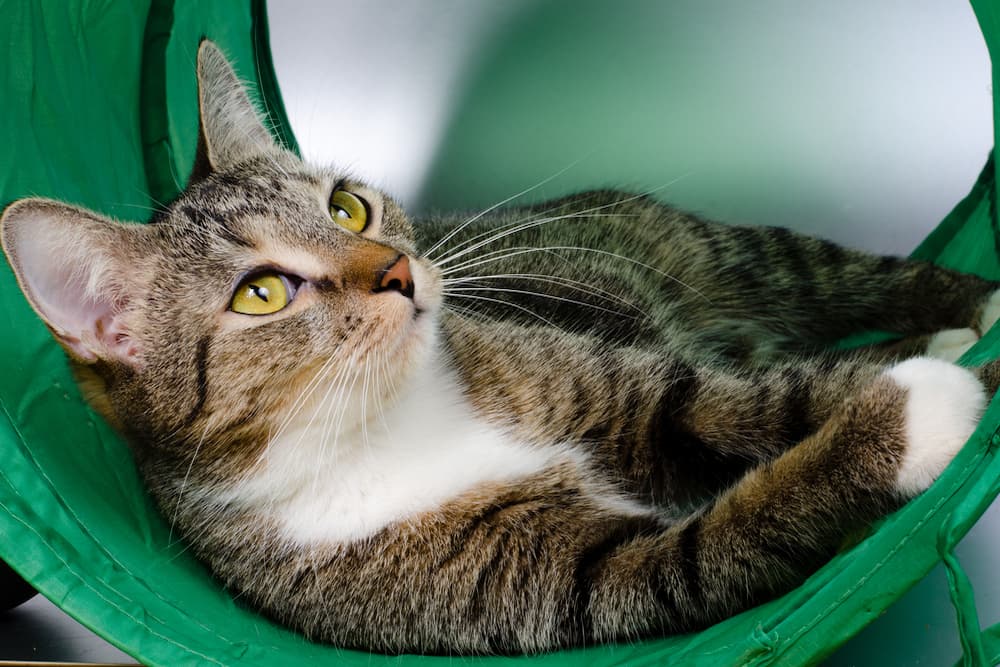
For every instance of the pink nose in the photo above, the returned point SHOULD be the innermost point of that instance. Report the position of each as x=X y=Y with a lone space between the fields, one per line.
x=396 y=277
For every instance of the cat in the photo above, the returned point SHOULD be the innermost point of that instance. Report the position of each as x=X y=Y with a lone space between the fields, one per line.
x=589 y=420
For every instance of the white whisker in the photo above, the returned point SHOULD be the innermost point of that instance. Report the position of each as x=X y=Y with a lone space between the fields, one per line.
x=578 y=285
x=529 y=222
x=462 y=291
x=494 y=207
x=180 y=492
x=606 y=253
x=512 y=305
x=504 y=232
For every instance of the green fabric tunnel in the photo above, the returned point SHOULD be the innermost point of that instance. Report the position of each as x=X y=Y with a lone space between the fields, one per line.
x=98 y=108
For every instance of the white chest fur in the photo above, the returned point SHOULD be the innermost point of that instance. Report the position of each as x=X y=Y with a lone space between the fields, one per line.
x=322 y=484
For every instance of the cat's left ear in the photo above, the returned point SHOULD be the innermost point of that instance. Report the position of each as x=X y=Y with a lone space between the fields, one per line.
x=230 y=129
x=78 y=271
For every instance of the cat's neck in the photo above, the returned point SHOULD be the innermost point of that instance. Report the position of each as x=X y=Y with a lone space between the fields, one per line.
x=333 y=478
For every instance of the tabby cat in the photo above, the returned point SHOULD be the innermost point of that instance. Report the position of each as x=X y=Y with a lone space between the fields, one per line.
x=595 y=419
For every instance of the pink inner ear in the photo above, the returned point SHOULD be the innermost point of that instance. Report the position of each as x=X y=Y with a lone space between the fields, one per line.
x=112 y=335
x=90 y=329
x=65 y=276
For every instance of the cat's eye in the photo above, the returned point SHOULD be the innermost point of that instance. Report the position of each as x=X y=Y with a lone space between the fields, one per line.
x=348 y=211
x=262 y=294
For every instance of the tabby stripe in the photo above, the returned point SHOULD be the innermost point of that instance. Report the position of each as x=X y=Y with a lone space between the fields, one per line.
x=751 y=245
x=682 y=386
x=582 y=408
x=687 y=546
x=481 y=601
x=795 y=423
x=794 y=250
x=708 y=236
x=201 y=218
x=588 y=566
x=887 y=265
x=460 y=540
x=668 y=444
x=597 y=434
x=201 y=367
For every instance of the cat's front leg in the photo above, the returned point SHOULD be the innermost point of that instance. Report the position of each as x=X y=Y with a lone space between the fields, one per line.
x=947 y=344
x=786 y=517
x=699 y=427
x=704 y=427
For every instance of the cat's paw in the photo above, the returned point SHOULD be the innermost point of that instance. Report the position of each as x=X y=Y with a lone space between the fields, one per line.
x=991 y=313
x=951 y=344
x=943 y=405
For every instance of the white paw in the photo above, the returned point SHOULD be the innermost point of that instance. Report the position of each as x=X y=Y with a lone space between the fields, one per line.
x=944 y=403
x=951 y=344
x=991 y=313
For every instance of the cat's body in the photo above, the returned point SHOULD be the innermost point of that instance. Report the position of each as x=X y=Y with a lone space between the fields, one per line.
x=629 y=428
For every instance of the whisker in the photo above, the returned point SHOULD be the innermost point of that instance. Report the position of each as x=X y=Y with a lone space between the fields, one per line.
x=606 y=253
x=461 y=291
x=337 y=380
x=365 y=387
x=512 y=305
x=318 y=377
x=378 y=379
x=533 y=215
x=180 y=492
x=578 y=285
x=339 y=407
x=581 y=213
x=494 y=207
x=510 y=230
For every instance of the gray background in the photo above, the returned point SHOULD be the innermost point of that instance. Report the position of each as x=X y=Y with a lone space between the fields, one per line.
x=862 y=121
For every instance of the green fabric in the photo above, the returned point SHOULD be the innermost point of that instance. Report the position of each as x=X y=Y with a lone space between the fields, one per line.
x=99 y=109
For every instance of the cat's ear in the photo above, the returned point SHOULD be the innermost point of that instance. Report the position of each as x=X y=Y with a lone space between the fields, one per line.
x=230 y=130
x=77 y=270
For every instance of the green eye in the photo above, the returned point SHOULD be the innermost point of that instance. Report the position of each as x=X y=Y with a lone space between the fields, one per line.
x=348 y=211
x=262 y=294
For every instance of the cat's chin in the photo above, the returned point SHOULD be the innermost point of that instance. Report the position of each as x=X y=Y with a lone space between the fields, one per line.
x=407 y=331
x=411 y=322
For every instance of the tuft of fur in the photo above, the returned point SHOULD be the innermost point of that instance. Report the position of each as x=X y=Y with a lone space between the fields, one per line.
x=593 y=419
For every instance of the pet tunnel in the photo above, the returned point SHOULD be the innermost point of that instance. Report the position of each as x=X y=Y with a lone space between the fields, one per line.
x=98 y=108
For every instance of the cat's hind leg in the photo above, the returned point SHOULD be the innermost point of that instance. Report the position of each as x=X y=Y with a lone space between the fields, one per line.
x=947 y=344
x=811 y=292
x=951 y=344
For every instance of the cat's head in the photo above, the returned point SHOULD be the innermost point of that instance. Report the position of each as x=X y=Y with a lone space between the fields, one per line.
x=263 y=280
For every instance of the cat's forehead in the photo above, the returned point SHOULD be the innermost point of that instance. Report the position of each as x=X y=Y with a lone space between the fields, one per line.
x=262 y=186
x=262 y=198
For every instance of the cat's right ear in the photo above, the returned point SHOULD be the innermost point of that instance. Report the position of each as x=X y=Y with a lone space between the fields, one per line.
x=78 y=271
x=230 y=129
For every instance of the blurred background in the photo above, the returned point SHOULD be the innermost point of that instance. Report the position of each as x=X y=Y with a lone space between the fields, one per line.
x=860 y=120
x=863 y=121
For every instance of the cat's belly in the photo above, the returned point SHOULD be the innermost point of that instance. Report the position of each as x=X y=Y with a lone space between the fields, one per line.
x=322 y=483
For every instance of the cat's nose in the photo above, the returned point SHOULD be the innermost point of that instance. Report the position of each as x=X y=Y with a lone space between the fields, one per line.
x=396 y=277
